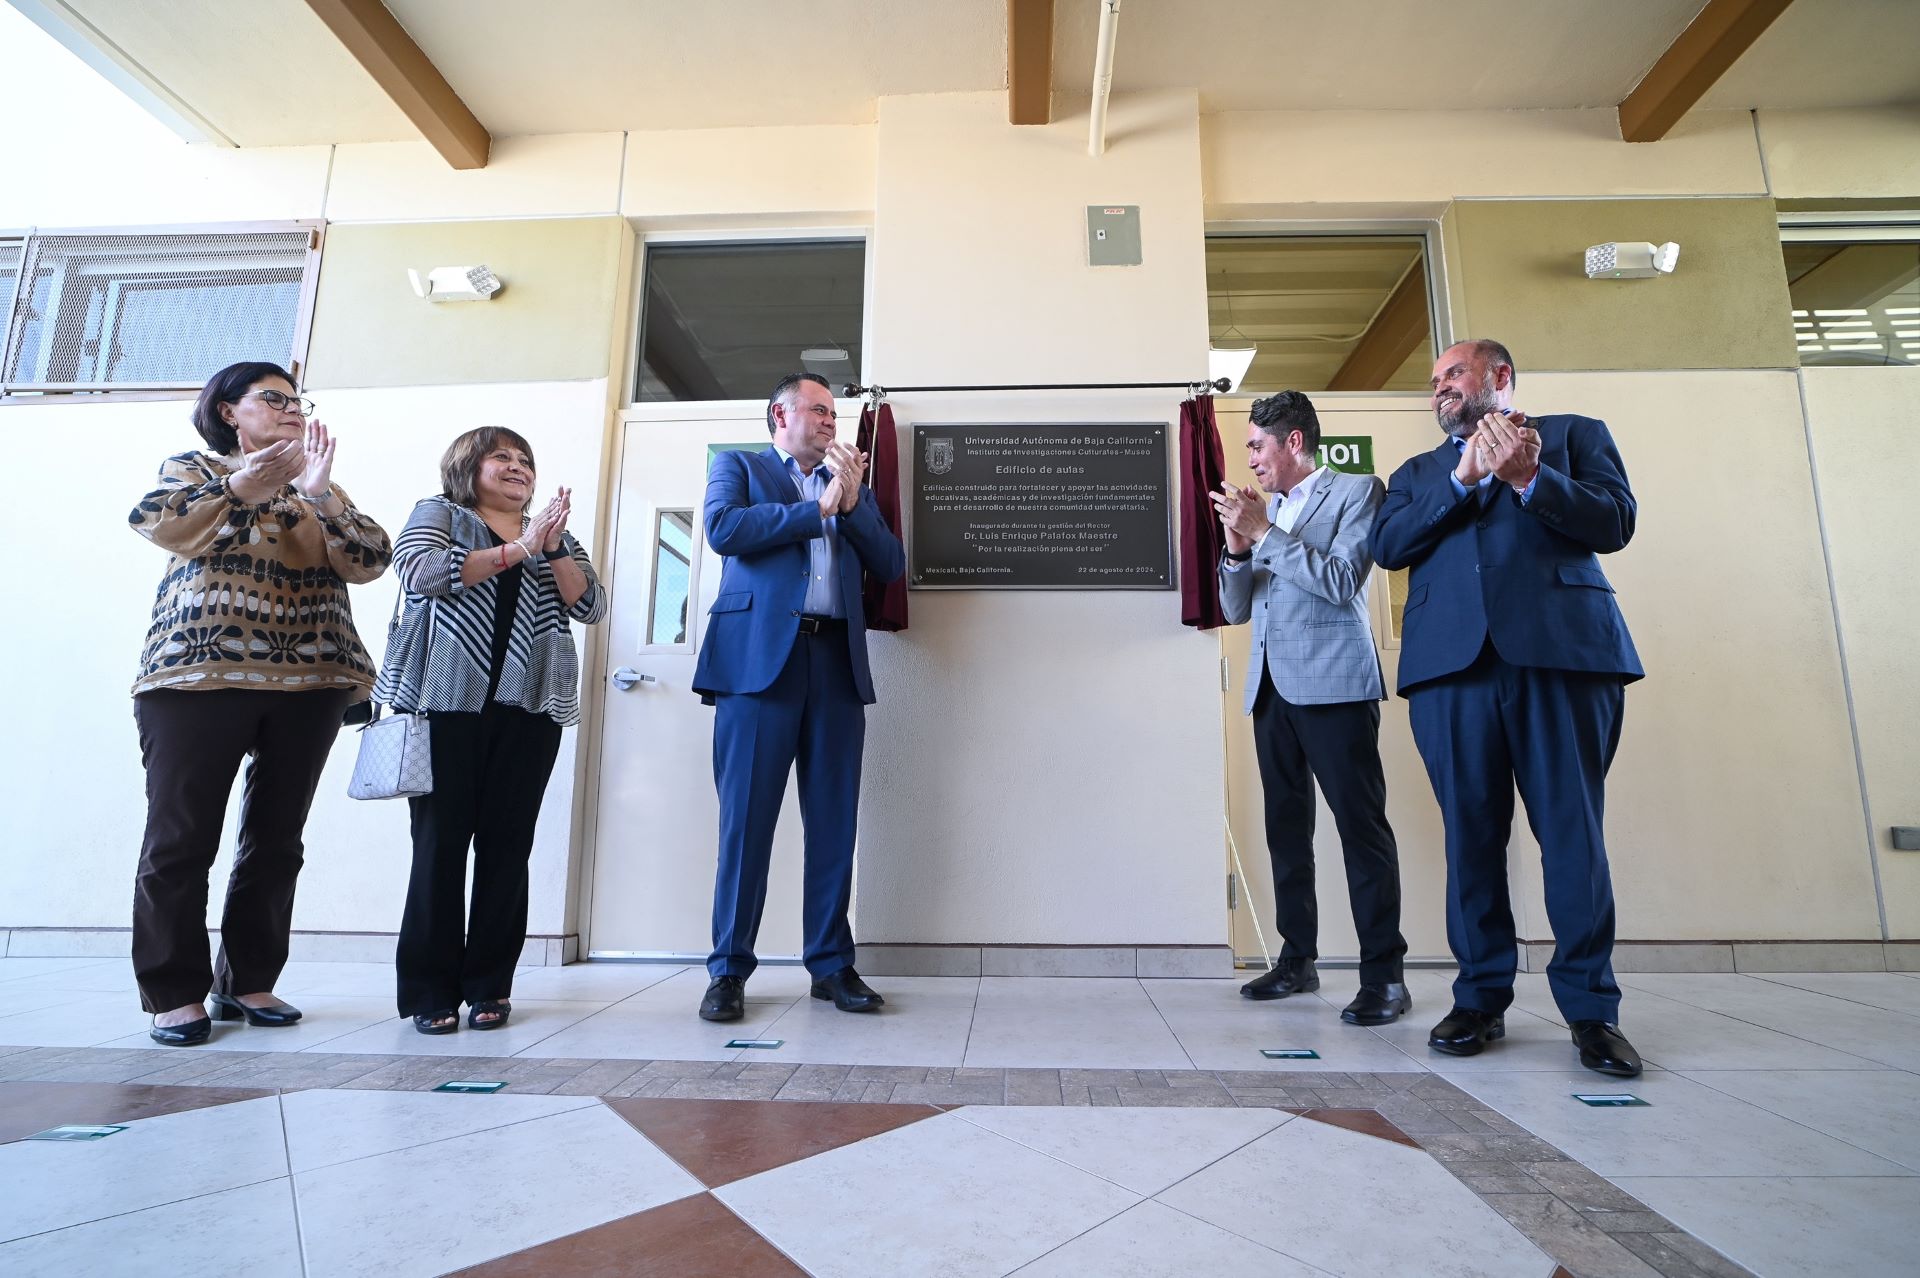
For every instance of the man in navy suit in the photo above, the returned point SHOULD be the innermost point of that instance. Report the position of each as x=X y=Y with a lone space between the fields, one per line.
x=1514 y=660
x=784 y=664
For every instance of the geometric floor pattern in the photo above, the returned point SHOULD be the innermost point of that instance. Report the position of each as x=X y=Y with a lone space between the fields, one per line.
x=979 y=1126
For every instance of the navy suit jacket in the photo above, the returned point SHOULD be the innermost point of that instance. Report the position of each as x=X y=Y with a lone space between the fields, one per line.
x=756 y=518
x=1525 y=575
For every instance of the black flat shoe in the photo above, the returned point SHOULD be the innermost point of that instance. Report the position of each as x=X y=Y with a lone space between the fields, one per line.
x=726 y=999
x=497 y=1008
x=1288 y=976
x=846 y=991
x=437 y=1022
x=182 y=1035
x=1604 y=1049
x=228 y=1008
x=1380 y=1004
x=1466 y=1032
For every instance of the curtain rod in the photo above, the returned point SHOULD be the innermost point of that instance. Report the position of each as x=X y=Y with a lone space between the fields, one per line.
x=853 y=390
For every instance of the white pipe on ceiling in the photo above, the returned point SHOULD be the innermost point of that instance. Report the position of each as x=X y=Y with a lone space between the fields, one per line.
x=1103 y=75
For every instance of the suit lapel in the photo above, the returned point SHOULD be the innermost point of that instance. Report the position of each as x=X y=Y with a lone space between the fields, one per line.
x=1319 y=494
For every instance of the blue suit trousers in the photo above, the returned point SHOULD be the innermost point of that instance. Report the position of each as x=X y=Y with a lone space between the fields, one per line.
x=810 y=721
x=1553 y=733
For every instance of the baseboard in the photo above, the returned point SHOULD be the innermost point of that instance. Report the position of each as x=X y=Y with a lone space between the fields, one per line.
x=303 y=947
x=912 y=959
x=1745 y=956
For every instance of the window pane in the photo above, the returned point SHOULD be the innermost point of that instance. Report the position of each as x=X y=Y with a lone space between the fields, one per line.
x=1855 y=303
x=1323 y=312
x=672 y=562
x=727 y=321
x=171 y=309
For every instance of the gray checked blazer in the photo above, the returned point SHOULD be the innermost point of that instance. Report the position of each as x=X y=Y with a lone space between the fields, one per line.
x=1306 y=593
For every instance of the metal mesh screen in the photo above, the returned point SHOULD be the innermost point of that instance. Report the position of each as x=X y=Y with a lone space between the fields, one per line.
x=10 y=251
x=153 y=309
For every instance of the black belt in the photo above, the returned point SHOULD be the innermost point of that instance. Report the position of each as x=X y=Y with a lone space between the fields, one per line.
x=812 y=624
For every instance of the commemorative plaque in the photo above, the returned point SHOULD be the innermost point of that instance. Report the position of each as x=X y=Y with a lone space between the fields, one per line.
x=1043 y=507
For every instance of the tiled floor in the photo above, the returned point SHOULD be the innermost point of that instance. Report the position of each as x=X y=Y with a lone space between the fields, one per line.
x=992 y=1126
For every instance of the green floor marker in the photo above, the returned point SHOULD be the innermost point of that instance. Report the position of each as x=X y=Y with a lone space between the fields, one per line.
x=469 y=1085
x=1290 y=1053
x=767 y=1043
x=1607 y=1100
x=78 y=1131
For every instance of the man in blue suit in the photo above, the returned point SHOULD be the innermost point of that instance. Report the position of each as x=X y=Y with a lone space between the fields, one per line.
x=1514 y=660
x=784 y=664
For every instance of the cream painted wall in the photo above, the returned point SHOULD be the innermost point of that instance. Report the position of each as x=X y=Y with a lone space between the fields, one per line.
x=74 y=834
x=1864 y=443
x=1854 y=154
x=733 y=173
x=1043 y=767
x=565 y=175
x=1284 y=163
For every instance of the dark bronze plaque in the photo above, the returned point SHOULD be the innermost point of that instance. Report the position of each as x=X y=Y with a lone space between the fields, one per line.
x=1047 y=507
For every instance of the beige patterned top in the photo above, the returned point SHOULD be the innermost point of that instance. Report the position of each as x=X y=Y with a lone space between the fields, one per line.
x=253 y=596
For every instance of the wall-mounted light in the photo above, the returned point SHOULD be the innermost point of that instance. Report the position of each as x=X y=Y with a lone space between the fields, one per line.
x=1622 y=261
x=456 y=284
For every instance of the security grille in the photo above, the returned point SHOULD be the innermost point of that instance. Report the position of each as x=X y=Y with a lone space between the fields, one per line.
x=10 y=251
x=153 y=309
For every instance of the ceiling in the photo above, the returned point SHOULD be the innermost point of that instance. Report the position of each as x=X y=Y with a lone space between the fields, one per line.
x=267 y=72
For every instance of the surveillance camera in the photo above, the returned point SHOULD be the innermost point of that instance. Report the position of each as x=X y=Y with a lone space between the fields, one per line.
x=1617 y=261
x=455 y=284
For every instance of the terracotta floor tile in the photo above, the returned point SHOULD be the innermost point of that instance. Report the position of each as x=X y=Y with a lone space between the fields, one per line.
x=1365 y=1121
x=26 y=1108
x=693 y=1238
x=721 y=1141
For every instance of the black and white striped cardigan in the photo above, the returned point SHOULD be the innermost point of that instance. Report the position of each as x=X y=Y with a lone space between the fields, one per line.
x=441 y=646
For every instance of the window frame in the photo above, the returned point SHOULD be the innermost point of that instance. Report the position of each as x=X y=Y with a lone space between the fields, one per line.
x=1433 y=246
x=1879 y=226
x=29 y=392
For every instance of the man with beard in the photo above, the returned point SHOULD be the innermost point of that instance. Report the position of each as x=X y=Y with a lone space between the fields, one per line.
x=1514 y=660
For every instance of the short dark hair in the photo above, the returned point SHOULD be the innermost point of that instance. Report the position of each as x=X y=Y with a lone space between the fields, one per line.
x=1286 y=411
x=460 y=467
x=1494 y=353
x=786 y=384
x=226 y=387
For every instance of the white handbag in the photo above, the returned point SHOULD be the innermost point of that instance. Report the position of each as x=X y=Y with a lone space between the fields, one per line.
x=395 y=759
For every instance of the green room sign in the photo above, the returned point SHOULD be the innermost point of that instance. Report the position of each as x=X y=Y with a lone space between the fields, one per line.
x=1350 y=454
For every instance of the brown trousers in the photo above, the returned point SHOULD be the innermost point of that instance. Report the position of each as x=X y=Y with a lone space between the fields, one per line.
x=192 y=744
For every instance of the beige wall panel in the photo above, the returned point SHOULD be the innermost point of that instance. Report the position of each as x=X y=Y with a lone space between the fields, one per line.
x=88 y=820
x=1255 y=159
x=803 y=170
x=1865 y=153
x=1733 y=807
x=552 y=322
x=567 y=175
x=1866 y=447
x=1725 y=307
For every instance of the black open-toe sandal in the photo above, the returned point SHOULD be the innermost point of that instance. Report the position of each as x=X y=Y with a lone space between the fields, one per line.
x=498 y=1009
x=437 y=1022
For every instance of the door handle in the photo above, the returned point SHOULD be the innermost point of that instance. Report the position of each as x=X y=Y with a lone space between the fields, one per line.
x=626 y=676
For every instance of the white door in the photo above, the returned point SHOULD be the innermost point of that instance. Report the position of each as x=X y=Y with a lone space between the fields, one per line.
x=657 y=819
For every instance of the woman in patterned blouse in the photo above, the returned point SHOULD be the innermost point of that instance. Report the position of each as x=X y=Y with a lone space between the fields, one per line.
x=485 y=649
x=252 y=652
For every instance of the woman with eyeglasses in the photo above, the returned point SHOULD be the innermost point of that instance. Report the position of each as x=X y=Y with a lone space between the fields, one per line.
x=483 y=647
x=252 y=655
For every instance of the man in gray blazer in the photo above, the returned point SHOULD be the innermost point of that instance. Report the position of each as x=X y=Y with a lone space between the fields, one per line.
x=1297 y=564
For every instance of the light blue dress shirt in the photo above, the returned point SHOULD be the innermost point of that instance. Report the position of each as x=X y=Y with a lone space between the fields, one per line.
x=1460 y=489
x=823 y=587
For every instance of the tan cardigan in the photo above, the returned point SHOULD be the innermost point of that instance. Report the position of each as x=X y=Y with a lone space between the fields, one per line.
x=253 y=596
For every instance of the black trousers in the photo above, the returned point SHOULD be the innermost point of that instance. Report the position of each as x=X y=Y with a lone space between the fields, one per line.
x=1338 y=745
x=489 y=772
x=192 y=744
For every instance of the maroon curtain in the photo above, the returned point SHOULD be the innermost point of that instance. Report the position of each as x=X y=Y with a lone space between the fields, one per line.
x=886 y=601
x=1202 y=468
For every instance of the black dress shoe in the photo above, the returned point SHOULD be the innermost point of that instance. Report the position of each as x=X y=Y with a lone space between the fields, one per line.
x=1380 y=1004
x=846 y=991
x=1466 y=1031
x=182 y=1035
x=1604 y=1049
x=726 y=999
x=228 y=1008
x=1288 y=976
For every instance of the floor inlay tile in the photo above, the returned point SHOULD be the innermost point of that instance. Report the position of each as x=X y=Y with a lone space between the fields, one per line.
x=26 y=1108
x=723 y=1141
x=1144 y=1150
x=1365 y=1121
x=695 y=1237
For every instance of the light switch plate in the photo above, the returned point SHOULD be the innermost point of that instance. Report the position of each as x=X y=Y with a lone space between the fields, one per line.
x=1113 y=235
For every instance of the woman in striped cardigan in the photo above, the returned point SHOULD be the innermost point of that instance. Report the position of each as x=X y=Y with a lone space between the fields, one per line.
x=483 y=647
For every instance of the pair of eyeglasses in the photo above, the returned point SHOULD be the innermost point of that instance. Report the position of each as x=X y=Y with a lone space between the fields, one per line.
x=281 y=403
